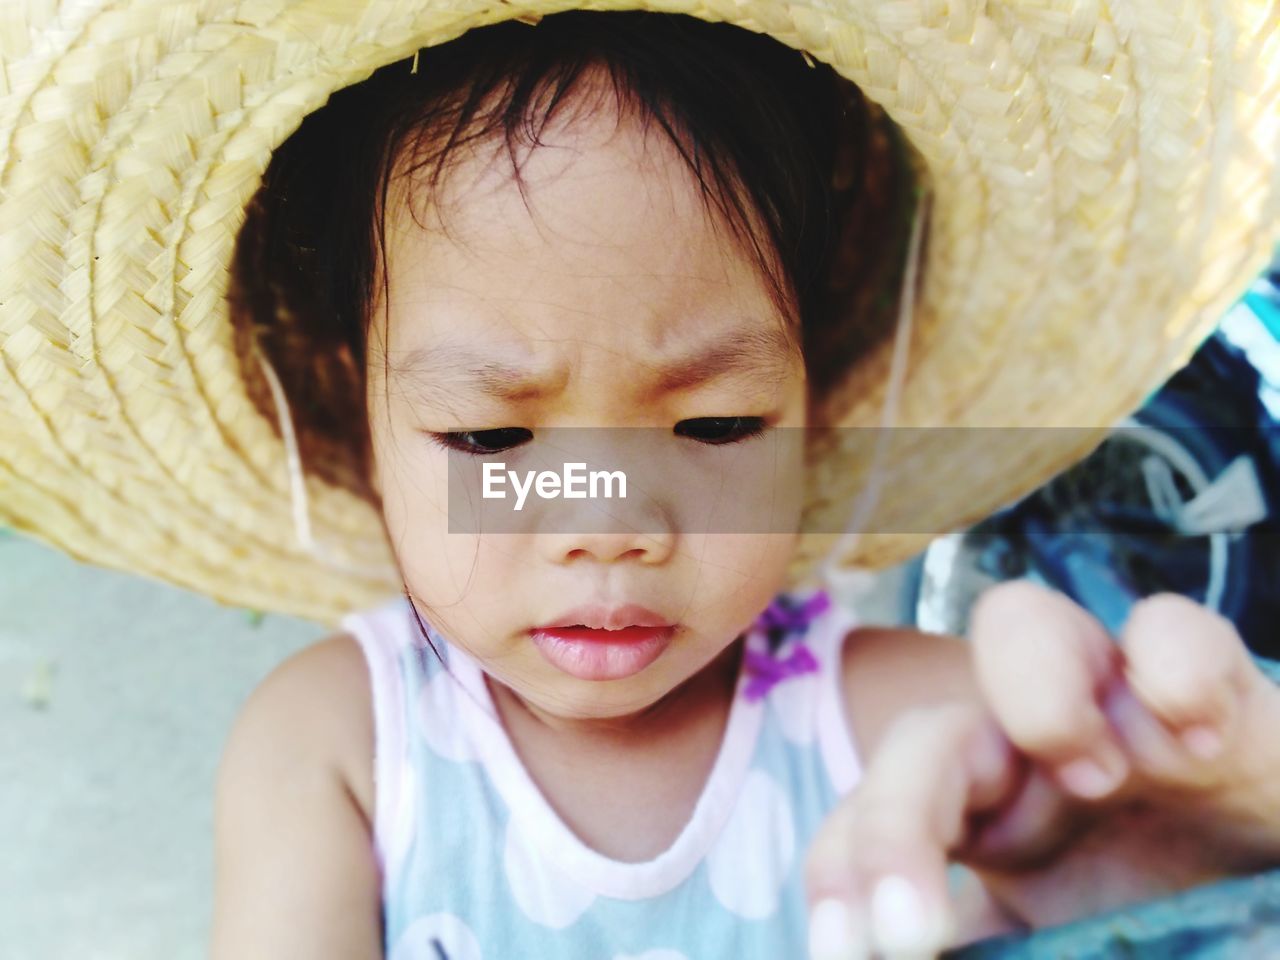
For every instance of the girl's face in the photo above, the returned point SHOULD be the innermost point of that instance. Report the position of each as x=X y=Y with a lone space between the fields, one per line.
x=607 y=298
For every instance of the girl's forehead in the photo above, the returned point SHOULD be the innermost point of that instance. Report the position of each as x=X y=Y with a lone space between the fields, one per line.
x=606 y=240
x=519 y=370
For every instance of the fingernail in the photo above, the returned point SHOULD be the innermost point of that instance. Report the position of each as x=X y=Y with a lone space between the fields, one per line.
x=1203 y=740
x=901 y=926
x=1094 y=776
x=833 y=935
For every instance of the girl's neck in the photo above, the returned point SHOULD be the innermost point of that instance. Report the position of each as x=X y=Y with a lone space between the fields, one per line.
x=647 y=770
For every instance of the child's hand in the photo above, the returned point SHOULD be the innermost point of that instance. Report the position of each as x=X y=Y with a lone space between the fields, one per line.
x=1095 y=774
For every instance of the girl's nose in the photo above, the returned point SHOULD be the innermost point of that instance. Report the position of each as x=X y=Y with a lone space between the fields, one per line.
x=652 y=545
x=633 y=518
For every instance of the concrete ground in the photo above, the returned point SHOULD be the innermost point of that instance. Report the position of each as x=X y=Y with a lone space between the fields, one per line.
x=116 y=695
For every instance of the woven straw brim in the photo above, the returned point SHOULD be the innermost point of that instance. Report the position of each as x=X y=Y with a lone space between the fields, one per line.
x=1104 y=184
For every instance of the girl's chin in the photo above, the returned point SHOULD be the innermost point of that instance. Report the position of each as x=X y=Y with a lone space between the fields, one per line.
x=569 y=700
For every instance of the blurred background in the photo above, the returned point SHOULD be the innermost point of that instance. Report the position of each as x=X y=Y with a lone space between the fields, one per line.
x=1184 y=497
x=116 y=693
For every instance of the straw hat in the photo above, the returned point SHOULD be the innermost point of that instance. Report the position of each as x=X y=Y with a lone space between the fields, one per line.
x=1104 y=183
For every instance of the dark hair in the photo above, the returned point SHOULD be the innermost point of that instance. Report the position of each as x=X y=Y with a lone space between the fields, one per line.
x=806 y=175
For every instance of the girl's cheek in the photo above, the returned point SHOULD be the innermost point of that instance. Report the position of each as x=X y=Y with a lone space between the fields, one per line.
x=415 y=512
x=457 y=569
x=444 y=570
x=738 y=574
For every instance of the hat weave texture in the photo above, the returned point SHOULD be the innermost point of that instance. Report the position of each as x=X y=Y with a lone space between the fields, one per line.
x=1104 y=182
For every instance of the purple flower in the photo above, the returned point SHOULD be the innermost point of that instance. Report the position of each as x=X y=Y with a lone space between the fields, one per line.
x=764 y=671
x=781 y=619
x=783 y=616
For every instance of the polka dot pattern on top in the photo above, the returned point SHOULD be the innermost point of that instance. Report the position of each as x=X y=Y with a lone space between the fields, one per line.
x=752 y=857
x=435 y=936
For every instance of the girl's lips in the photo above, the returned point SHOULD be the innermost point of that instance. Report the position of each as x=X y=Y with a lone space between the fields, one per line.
x=612 y=619
x=590 y=653
x=633 y=633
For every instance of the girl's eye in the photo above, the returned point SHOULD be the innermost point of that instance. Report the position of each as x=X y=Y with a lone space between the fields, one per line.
x=481 y=442
x=720 y=430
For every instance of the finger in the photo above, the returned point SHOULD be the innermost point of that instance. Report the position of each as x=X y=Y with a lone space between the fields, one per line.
x=1187 y=673
x=1036 y=823
x=877 y=869
x=1043 y=664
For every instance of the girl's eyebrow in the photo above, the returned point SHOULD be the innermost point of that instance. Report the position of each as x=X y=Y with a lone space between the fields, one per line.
x=461 y=367
x=763 y=355
x=759 y=354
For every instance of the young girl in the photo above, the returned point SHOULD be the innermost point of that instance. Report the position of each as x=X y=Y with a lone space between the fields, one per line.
x=587 y=740
x=612 y=729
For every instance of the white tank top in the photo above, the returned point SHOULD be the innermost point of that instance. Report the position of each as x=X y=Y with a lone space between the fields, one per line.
x=476 y=864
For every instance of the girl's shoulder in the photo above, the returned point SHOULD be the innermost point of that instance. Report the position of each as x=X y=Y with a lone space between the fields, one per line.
x=295 y=870
x=344 y=671
x=324 y=692
x=341 y=670
x=887 y=670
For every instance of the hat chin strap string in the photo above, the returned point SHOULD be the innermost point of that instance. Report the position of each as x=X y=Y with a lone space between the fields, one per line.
x=830 y=570
x=298 y=485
